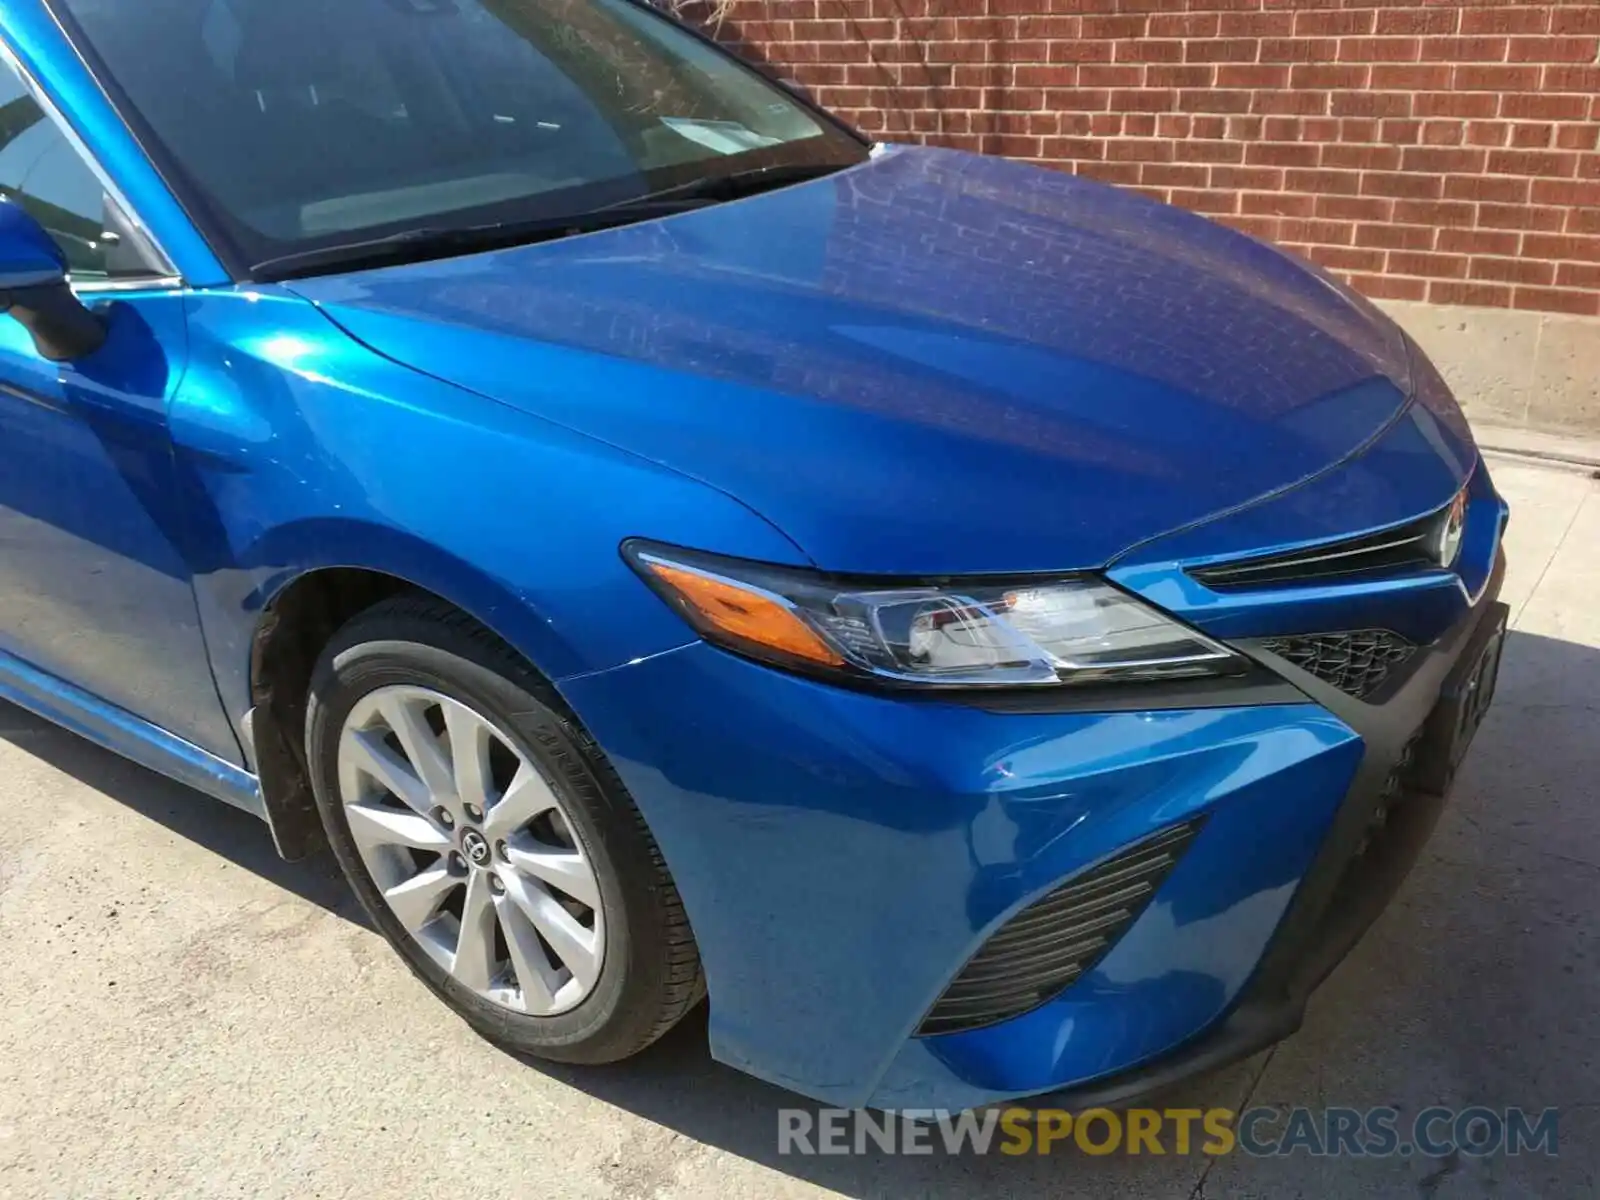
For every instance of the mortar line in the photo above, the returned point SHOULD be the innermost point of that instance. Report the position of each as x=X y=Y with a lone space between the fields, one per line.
x=1533 y=367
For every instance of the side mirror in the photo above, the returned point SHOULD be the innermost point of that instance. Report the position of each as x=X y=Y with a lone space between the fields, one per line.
x=33 y=289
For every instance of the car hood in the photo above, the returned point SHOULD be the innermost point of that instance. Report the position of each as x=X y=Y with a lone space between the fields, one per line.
x=932 y=363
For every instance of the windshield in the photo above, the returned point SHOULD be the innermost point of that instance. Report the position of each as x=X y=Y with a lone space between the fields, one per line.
x=291 y=125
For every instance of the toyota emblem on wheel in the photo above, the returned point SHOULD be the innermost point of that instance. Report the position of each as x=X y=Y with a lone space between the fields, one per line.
x=475 y=848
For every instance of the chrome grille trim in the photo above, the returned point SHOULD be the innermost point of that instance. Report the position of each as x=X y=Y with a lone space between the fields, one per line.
x=1407 y=547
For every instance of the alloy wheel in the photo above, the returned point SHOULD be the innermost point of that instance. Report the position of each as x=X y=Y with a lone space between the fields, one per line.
x=471 y=849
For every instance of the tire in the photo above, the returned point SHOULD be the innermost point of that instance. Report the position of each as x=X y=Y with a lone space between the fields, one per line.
x=649 y=972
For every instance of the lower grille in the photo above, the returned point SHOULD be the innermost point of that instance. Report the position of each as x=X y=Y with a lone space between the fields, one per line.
x=1394 y=793
x=1055 y=940
x=1356 y=663
x=1389 y=811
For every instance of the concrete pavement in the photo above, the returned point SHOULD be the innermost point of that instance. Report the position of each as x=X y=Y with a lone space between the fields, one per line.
x=182 y=1014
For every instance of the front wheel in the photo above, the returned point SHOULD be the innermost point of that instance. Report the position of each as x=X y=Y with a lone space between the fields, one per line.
x=491 y=842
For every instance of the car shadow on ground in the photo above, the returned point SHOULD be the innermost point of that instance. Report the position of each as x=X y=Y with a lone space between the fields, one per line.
x=237 y=836
x=1532 y=770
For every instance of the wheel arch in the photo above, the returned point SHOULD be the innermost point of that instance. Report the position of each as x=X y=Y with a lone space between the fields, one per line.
x=296 y=621
x=267 y=621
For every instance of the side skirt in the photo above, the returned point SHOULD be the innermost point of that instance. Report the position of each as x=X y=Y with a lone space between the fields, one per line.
x=123 y=733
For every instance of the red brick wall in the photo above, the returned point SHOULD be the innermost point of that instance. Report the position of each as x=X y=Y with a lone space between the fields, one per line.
x=1427 y=150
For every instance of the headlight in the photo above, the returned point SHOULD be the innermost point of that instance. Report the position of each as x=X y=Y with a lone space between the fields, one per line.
x=1021 y=634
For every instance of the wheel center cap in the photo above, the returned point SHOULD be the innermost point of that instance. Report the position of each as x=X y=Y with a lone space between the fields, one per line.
x=475 y=848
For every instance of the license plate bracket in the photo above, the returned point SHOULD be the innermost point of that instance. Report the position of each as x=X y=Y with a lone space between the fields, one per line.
x=1463 y=703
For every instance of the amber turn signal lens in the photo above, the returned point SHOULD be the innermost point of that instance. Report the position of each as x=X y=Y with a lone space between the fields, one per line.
x=744 y=615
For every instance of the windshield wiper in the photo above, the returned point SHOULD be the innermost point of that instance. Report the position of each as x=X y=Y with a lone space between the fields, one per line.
x=733 y=186
x=429 y=241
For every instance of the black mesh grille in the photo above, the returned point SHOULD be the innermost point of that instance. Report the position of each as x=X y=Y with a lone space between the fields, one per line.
x=1055 y=940
x=1356 y=663
x=1407 y=547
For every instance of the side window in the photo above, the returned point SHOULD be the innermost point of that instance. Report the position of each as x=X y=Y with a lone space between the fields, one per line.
x=41 y=170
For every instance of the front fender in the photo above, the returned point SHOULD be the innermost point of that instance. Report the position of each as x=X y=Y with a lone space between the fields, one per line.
x=300 y=449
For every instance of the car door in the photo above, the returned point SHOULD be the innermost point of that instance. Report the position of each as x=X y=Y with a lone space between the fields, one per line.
x=96 y=529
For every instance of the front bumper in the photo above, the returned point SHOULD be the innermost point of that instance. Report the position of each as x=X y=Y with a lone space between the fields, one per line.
x=842 y=854
x=1355 y=875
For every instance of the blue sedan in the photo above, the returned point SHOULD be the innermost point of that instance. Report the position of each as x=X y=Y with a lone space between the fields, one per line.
x=985 y=633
